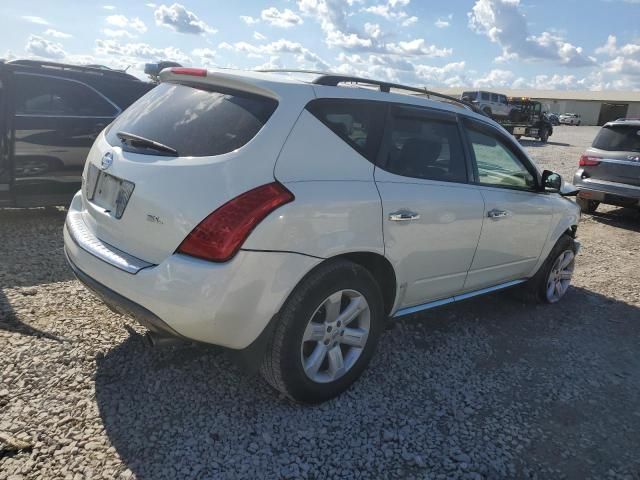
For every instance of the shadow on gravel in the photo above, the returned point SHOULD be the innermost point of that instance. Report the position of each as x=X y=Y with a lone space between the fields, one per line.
x=10 y=323
x=491 y=387
x=626 y=218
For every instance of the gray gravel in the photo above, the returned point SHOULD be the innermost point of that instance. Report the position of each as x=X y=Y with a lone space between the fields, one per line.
x=488 y=389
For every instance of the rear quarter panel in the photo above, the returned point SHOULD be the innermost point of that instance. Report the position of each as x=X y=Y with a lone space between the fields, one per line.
x=337 y=207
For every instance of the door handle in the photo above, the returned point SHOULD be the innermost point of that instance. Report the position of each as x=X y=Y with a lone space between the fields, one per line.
x=403 y=216
x=498 y=214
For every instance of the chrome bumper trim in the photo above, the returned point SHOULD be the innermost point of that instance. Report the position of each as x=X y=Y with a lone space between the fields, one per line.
x=87 y=241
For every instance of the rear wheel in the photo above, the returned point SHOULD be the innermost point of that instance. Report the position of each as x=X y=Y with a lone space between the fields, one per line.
x=326 y=333
x=586 y=205
x=553 y=279
x=544 y=135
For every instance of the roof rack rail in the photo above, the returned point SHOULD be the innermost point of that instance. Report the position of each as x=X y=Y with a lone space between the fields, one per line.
x=94 y=69
x=333 y=80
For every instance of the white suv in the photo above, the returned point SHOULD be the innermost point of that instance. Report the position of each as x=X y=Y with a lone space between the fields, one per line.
x=290 y=219
x=494 y=105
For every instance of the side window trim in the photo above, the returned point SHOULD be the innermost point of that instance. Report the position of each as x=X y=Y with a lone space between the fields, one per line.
x=117 y=109
x=423 y=113
x=469 y=123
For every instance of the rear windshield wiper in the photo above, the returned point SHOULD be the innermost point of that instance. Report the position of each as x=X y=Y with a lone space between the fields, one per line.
x=136 y=140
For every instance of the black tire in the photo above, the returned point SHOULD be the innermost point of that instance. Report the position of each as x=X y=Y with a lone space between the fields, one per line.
x=518 y=137
x=535 y=289
x=282 y=365
x=586 y=205
x=578 y=124
x=544 y=135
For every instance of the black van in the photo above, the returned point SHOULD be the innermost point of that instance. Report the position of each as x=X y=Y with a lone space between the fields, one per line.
x=50 y=114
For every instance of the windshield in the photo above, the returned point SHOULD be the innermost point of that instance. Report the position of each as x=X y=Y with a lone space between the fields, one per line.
x=192 y=121
x=618 y=137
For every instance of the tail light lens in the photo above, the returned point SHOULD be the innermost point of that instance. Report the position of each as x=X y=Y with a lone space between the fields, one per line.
x=587 y=161
x=219 y=236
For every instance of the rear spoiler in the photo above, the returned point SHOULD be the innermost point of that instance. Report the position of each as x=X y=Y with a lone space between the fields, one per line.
x=249 y=82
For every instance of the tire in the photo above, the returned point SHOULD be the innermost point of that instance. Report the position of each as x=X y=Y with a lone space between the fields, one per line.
x=518 y=137
x=544 y=135
x=586 y=205
x=578 y=124
x=538 y=288
x=288 y=364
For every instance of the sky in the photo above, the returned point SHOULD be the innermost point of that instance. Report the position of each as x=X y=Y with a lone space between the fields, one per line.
x=543 y=44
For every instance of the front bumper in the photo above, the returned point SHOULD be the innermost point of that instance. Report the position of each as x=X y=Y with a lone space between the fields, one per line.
x=227 y=304
x=605 y=191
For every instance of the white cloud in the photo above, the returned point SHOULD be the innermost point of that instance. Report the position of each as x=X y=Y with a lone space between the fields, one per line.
x=409 y=21
x=625 y=60
x=444 y=22
x=249 y=20
x=303 y=55
x=494 y=79
x=108 y=7
x=178 y=18
x=41 y=47
x=418 y=47
x=125 y=23
x=34 y=19
x=258 y=36
x=333 y=18
x=284 y=19
x=503 y=22
x=110 y=32
x=132 y=52
x=56 y=34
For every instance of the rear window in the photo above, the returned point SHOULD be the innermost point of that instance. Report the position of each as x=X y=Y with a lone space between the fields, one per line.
x=618 y=137
x=195 y=121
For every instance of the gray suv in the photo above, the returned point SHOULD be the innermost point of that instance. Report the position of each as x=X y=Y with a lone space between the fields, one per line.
x=610 y=170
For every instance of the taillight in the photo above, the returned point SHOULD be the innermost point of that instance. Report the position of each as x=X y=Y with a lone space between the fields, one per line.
x=587 y=161
x=194 y=72
x=219 y=236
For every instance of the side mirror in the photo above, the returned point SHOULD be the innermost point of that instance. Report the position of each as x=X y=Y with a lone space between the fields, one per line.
x=551 y=181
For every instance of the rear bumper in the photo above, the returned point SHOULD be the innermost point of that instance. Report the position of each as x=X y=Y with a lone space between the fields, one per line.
x=227 y=304
x=604 y=191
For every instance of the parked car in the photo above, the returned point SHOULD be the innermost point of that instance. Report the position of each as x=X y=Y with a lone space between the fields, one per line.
x=50 y=115
x=569 y=119
x=493 y=105
x=553 y=119
x=245 y=210
x=610 y=170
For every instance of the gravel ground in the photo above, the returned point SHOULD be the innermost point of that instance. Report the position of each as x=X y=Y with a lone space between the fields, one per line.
x=487 y=389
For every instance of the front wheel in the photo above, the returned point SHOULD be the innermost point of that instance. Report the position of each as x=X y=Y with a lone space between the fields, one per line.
x=553 y=279
x=326 y=333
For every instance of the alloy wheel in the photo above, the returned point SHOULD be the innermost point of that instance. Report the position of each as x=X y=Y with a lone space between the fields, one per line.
x=560 y=276
x=335 y=336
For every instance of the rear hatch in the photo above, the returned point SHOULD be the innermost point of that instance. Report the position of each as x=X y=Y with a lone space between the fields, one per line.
x=184 y=149
x=616 y=148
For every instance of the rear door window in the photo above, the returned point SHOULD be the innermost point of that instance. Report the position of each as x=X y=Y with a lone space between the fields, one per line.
x=359 y=123
x=425 y=146
x=494 y=97
x=618 y=137
x=46 y=95
x=194 y=121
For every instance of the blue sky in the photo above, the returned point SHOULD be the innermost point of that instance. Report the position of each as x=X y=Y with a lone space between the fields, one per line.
x=560 y=44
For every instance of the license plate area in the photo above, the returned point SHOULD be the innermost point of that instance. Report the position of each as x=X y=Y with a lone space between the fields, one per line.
x=109 y=192
x=519 y=130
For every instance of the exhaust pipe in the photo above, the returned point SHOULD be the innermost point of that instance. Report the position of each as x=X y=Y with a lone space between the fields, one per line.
x=156 y=340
